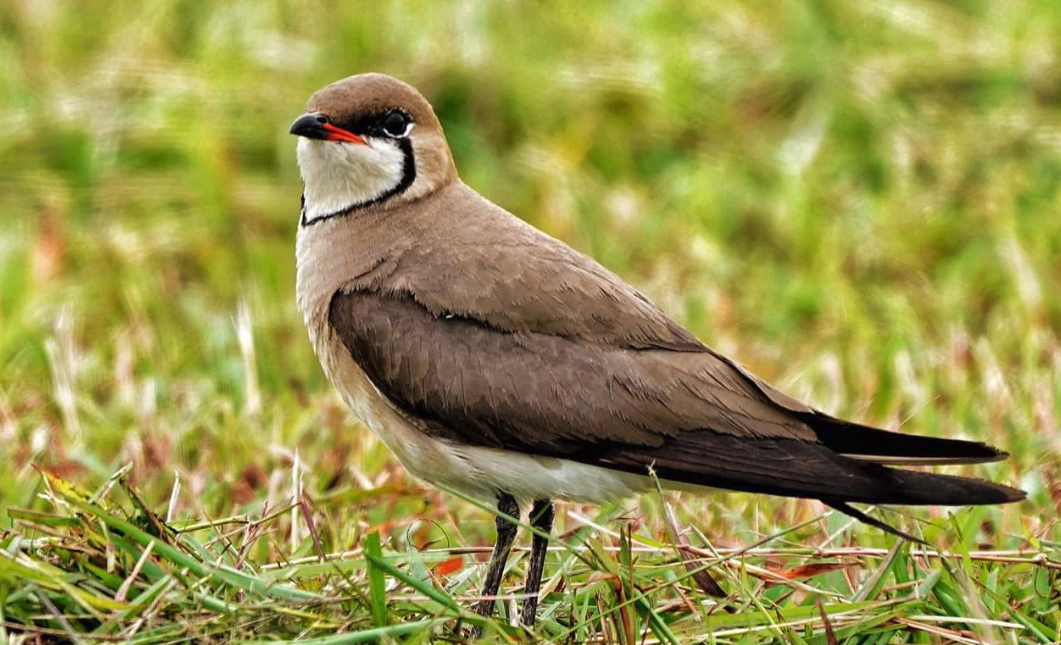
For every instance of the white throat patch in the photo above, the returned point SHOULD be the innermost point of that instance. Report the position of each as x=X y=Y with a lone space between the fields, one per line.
x=340 y=175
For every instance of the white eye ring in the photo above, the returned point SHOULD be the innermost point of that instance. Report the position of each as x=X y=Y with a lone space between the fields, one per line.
x=390 y=120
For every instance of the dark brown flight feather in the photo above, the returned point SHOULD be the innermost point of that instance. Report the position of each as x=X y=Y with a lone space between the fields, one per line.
x=490 y=333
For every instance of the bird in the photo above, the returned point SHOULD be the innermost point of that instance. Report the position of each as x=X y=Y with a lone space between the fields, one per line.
x=493 y=359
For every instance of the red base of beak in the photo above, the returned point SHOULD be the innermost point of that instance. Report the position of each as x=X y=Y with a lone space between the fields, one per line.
x=338 y=134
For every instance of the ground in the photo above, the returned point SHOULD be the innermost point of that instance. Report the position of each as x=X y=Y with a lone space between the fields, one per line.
x=860 y=201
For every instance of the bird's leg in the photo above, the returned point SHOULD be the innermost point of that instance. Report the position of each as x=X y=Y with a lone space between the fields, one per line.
x=506 y=533
x=541 y=518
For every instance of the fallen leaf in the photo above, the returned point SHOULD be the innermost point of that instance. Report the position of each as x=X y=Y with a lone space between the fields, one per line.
x=810 y=570
x=447 y=567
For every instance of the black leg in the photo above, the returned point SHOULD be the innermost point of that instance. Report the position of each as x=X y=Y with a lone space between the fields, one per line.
x=506 y=533
x=541 y=518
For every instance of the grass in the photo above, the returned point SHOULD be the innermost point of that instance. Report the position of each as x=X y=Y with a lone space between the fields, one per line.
x=858 y=200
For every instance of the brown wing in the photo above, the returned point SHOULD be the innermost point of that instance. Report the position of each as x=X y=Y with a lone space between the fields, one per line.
x=690 y=415
x=542 y=393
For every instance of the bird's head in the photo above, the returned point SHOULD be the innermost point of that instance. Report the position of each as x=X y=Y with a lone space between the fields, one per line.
x=369 y=140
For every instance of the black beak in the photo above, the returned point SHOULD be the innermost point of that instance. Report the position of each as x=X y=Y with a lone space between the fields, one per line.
x=310 y=126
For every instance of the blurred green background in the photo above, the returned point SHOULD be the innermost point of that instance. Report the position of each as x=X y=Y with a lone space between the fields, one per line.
x=859 y=200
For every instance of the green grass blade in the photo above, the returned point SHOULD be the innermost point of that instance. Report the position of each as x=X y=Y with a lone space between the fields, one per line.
x=419 y=585
x=363 y=636
x=224 y=576
x=377 y=590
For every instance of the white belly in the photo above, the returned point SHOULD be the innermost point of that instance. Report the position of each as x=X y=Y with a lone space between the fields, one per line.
x=480 y=472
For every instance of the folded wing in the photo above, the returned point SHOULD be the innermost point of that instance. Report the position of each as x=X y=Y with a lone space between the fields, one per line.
x=686 y=411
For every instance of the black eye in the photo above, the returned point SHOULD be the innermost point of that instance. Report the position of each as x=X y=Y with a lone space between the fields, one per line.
x=396 y=124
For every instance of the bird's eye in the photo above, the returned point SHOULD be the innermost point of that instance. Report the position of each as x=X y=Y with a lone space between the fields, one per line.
x=397 y=124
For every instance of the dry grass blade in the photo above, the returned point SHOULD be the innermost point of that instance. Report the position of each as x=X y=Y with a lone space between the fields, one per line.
x=307 y=516
x=830 y=635
x=700 y=574
x=127 y=584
